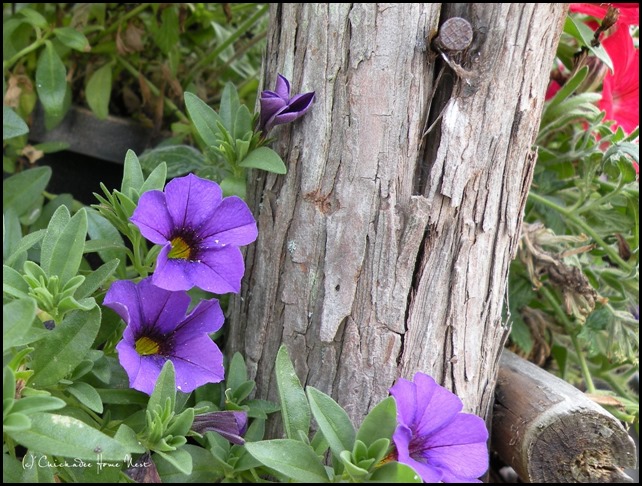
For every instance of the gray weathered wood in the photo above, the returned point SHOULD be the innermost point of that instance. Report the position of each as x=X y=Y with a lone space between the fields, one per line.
x=550 y=432
x=383 y=252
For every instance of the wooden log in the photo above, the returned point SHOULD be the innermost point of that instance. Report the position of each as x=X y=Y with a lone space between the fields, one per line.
x=550 y=432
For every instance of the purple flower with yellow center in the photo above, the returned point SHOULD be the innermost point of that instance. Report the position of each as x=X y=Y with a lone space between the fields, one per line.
x=434 y=437
x=277 y=107
x=230 y=424
x=200 y=232
x=158 y=330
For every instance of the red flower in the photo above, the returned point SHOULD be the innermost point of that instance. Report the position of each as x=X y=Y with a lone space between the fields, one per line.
x=621 y=89
x=629 y=12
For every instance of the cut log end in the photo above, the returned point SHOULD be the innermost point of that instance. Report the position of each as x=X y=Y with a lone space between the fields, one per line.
x=581 y=446
x=550 y=432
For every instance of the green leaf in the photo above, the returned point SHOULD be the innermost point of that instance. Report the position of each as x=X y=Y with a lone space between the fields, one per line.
x=51 y=83
x=12 y=469
x=96 y=278
x=24 y=244
x=229 y=106
x=233 y=186
x=12 y=124
x=18 y=191
x=333 y=421
x=133 y=178
x=16 y=422
x=167 y=36
x=55 y=228
x=13 y=284
x=584 y=34
x=569 y=87
x=180 y=160
x=67 y=251
x=204 y=469
x=295 y=410
x=37 y=403
x=72 y=38
x=165 y=388
x=59 y=435
x=180 y=459
x=117 y=396
x=292 y=458
x=236 y=372
x=98 y=91
x=127 y=437
x=34 y=18
x=99 y=228
x=87 y=395
x=243 y=122
x=395 y=472
x=17 y=319
x=205 y=119
x=357 y=473
x=266 y=159
x=155 y=180
x=58 y=354
x=380 y=423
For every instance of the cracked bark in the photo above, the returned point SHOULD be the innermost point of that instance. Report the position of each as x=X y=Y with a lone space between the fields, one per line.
x=382 y=253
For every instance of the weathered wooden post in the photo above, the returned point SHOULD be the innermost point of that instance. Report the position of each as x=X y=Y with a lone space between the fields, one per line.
x=385 y=250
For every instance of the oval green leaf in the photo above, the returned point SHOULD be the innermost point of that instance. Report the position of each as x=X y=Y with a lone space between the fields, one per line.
x=293 y=458
x=98 y=91
x=266 y=159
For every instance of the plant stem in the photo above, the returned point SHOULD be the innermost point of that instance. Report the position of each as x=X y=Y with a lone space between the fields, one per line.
x=132 y=13
x=572 y=218
x=569 y=328
x=155 y=91
x=18 y=55
x=244 y=27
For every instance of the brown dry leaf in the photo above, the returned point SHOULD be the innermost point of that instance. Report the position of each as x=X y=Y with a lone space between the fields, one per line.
x=32 y=153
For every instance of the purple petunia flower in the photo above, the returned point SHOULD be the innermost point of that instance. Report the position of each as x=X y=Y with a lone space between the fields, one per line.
x=277 y=107
x=158 y=330
x=200 y=232
x=230 y=424
x=434 y=437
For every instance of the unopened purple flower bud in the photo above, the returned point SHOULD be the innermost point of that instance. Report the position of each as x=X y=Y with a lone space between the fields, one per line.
x=230 y=424
x=277 y=107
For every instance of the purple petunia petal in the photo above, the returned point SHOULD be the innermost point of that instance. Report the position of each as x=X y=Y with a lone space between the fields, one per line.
x=456 y=469
x=402 y=438
x=221 y=271
x=122 y=298
x=150 y=368
x=434 y=397
x=152 y=217
x=172 y=274
x=282 y=87
x=143 y=371
x=233 y=224
x=301 y=103
x=197 y=362
x=161 y=308
x=191 y=201
x=207 y=317
x=405 y=394
x=434 y=437
x=285 y=117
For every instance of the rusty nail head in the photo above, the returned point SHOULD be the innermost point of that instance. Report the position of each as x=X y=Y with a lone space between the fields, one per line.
x=455 y=34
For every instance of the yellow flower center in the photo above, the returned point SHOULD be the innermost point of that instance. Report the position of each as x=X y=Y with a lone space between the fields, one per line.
x=146 y=346
x=180 y=249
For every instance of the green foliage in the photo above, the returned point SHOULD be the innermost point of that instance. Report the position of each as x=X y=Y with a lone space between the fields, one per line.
x=575 y=283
